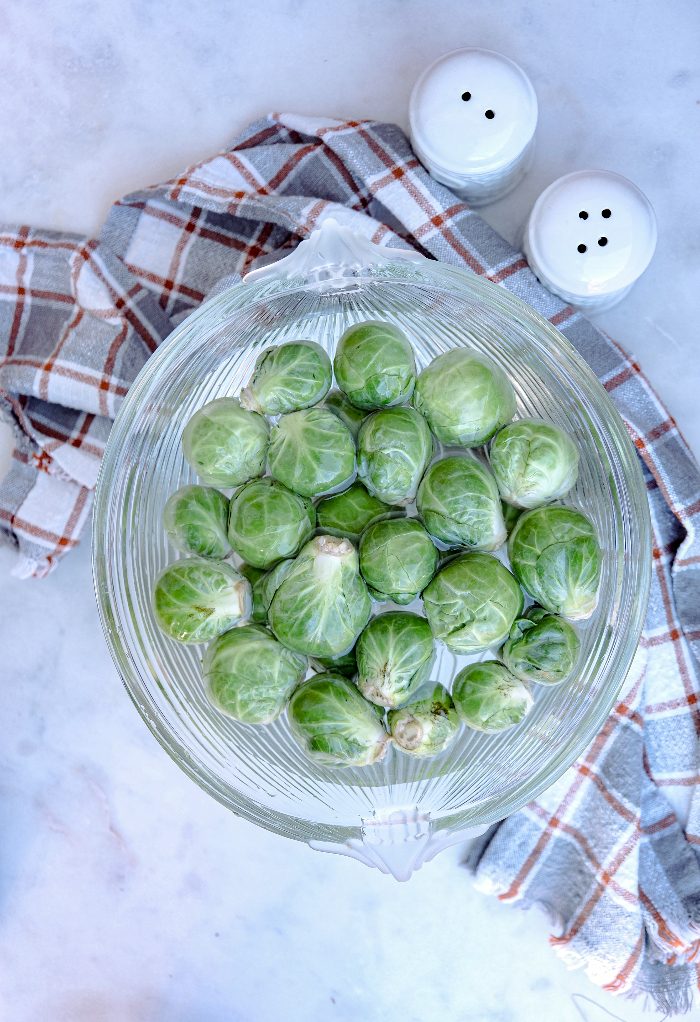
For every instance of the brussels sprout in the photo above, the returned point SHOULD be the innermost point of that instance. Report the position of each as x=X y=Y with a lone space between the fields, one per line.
x=472 y=602
x=195 y=520
x=334 y=725
x=394 y=449
x=258 y=614
x=556 y=557
x=224 y=444
x=268 y=522
x=322 y=604
x=488 y=698
x=345 y=664
x=510 y=515
x=350 y=512
x=350 y=416
x=465 y=397
x=252 y=574
x=195 y=600
x=397 y=559
x=249 y=675
x=428 y=724
x=394 y=656
x=288 y=376
x=541 y=647
x=459 y=503
x=374 y=365
x=266 y=587
x=311 y=451
x=534 y=462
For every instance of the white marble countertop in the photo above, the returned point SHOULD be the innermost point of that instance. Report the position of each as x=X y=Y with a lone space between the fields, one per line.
x=126 y=894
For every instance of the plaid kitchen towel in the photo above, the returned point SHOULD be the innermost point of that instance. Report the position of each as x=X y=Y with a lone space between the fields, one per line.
x=602 y=850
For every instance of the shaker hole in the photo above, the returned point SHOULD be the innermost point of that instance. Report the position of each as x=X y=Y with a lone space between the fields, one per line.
x=466 y=96
x=606 y=213
x=583 y=214
x=582 y=248
x=602 y=242
x=490 y=114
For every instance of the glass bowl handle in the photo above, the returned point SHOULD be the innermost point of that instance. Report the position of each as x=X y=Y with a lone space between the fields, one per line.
x=330 y=253
x=399 y=841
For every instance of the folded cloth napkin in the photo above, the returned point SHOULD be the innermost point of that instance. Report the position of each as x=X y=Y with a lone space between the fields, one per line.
x=602 y=850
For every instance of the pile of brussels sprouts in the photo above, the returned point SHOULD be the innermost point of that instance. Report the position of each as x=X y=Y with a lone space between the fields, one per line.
x=328 y=532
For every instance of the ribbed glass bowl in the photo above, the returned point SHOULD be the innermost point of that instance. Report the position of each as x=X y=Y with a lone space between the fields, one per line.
x=261 y=772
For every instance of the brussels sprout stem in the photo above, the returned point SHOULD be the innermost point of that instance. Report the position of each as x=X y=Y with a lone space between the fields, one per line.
x=244 y=597
x=383 y=744
x=408 y=734
x=329 y=553
x=333 y=546
x=237 y=603
x=249 y=401
x=582 y=617
x=377 y=694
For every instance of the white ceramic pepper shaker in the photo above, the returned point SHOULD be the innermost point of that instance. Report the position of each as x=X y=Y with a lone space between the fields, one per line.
x=473 y=115
x=590 y=235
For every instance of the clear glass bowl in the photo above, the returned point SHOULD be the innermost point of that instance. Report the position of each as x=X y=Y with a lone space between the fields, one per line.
x=260 y=772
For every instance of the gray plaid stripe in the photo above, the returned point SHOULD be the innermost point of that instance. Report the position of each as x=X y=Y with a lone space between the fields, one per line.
x=620 y=897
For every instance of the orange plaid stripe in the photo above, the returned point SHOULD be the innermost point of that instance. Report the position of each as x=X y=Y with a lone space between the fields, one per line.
x=78 y=318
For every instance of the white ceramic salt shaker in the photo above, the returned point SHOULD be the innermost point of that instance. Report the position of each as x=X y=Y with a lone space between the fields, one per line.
x=590 y=235
x=473 y=115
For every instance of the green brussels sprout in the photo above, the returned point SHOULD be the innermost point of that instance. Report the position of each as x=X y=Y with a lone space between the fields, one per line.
x=488 y=698
x=534 y=462
x=394 y=448
x=195 y=519
x=472 y=602
x=249 y=675
x=374 y=365
x=268 y=522
x=345 y=664
x=225 y=444
x=459 y=503
x=555 y=555
x=394 y=657
x=252 y=574
x=465 y=397
x=510 y=515
x=287 y=377
x=397 y=559
x=350 y=416
x=428 y=724
x=322 y=604
x=542 y=647
x=258 y=614
x=266 y=587
x=334 y=725
x=255 y=576
x=350 y=512
x=195 y=600
x=311 y=451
